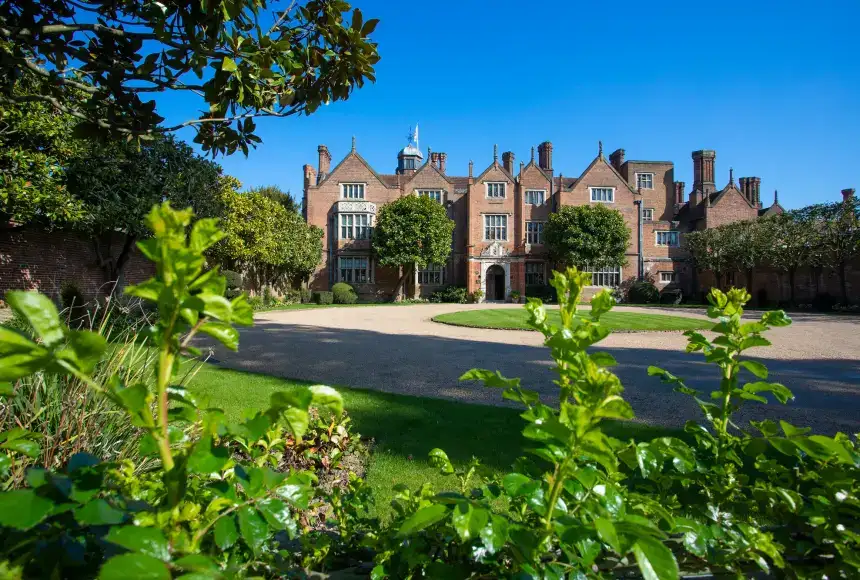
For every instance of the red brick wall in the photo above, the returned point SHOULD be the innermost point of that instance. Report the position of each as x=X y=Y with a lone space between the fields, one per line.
x=661 y=198
x=731 y=207
x=33 y=259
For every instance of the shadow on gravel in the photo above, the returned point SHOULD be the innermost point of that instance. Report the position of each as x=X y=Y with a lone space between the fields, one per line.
x=826 y=391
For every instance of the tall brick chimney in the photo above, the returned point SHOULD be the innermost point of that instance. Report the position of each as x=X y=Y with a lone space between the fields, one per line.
x=508 y=161
x=310 y=175
x=443 y=161
x=756 y=191
x=616 y=159
x=545 y=156
x=679 y=193
x=847 y=193
x=703 y=170
x=324 y=161
x=744 y=186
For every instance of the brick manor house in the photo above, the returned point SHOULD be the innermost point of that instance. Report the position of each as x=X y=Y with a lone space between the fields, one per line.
x=501 y=210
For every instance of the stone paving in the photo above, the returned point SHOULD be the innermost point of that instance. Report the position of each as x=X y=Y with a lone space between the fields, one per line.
x=399 y=349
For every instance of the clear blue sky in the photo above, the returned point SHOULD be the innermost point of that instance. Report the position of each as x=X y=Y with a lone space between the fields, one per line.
x=772 y=86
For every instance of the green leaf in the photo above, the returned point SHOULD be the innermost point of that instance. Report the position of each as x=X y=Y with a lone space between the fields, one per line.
x=603 y=359
x=137 y=566
x=296 y=489
x=423 y=518
x=439 y=460
x=656 y=561
x=228 y=65
x=517 y=484
x=22 y=509
x=607 y=533
x=325 y=397
x=468 y=520
x=648 y=461
x=205 y=232
x=495 y=534
x=492 y=379
x=780 y=391
x=223 y=332
x=87 y=349
x=216 y=306
x=226 y=533
x=23 y=446
x=755 y=368
x=276 y=512
x=148 y=541
x=614 y=407
x=207 y=458
x=253 y=527
x=98 y=513
x=40 y=312
x=197 y=563
x=6 y=389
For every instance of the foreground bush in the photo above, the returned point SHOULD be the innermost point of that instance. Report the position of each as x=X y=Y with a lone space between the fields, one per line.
x=323 y=297
x=342 y=293
x=643 y=292
x=452 y=294
x=234 y=499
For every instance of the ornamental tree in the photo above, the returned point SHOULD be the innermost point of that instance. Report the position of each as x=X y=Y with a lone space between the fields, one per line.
x=117 y=184
x=708 y=252
x=275 y=193
x=794 y=244
x=241 y=60
x=587 y=235
x=747 y=244
x=410 y=233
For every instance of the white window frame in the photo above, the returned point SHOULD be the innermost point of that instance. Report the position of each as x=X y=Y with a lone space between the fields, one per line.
x=604 y=277
x=349 y=226
x=434 y=194
x=651 y=175
x=501 y=227
x=648 y=214
x=542 y=268
x=672 y=277
x=667 y=243
x=349 y=187
x=353 y=278
x=542 y=193
x=432 y=275
x=493 y=188
x=534 y=237
x=611 y=196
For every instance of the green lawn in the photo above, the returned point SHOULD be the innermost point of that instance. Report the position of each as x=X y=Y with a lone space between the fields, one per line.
x=516 y=319
x=405 y=428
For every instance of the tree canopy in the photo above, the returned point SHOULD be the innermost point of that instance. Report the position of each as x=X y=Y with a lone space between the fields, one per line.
x=587 y=235
x=239 y=59
x=271 y=244
x=278 y=195
x=411 y=232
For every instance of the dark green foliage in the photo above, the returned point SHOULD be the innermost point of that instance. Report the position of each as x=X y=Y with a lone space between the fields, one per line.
x=305 y=294
x=235 y=280
x=453 y=294
x=643 y=292
x=343 y=293
x=274 y=193
x=268 y=297
x=587 y=236
x=323 y=297
x=544 y=292
x=117 y=55
x=73 y=303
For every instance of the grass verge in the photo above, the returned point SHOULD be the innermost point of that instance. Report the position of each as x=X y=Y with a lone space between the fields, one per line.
x=517 y=319
x=405 y=428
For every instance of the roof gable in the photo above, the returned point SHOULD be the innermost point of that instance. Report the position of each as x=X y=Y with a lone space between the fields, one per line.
x=364 y=162
x=501 y=168
x=428 y=167
x=532 y=165
x=600 y=159
x=730 y=189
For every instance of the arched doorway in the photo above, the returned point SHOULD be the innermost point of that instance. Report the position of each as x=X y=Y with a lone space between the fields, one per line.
x=495 y=283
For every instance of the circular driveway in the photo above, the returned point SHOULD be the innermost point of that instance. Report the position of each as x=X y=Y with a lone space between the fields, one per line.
x=399 y=349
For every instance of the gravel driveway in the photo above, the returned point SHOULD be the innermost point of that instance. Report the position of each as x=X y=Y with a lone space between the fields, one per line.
x=399 y=349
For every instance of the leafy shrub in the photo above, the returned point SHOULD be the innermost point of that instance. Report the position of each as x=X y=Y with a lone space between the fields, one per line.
x=515 y=295
x=292 y=297
x=74 y=304
x=305 y=294
x=235 y=283
x=452 y=294
x=342 y=293
x=643 y=292
x=543 y=292
x=256 y=303
x=323 y=297
x=268 y=297
x=671 y=296
x=476 y=296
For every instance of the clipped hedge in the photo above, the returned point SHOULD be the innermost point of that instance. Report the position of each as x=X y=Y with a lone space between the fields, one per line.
x=323 y=297
x=343 y=293
x=643 y=292
x=451 y=294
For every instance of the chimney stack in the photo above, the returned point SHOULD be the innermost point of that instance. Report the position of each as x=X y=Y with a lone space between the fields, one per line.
x=703 y=170
x=847 y=194
x=310 y=175
x=443 y=161
x=756 y=191
x=324 y=161
x=679 y=193
x=545 y=156
x=616 y=159
x=744 y=186
x=508 y=161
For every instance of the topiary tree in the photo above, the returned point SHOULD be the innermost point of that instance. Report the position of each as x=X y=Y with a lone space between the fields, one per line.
x=343 y=293
x=643 y=292
x=237 y=57
x=587 y=235
x=412 y=232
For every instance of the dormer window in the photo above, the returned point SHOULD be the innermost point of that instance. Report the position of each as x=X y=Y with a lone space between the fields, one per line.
x=496 y=190
x=352 y=190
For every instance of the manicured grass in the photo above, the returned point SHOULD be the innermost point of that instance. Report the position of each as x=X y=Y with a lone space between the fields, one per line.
x=517 y=319
x=405 y=428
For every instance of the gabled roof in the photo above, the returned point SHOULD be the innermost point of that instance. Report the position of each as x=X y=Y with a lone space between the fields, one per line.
x=460 y=183
x=432 y=168
x=532 y=163
x=569 y=182
x=718 y=195
x=500 y=167
x=390 y=179
x=775 y=209
x=355 y=154
x=602 y=159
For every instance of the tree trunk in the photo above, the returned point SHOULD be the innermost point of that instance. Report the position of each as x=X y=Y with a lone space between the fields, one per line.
x=750 y=282
x=113 y=268
x=401 y=283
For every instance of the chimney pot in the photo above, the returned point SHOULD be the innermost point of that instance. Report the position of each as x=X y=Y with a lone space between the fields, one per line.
x=324 y=163
x=508 y=161
x=443 y=161
x=703 y=170
x=545 y=156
